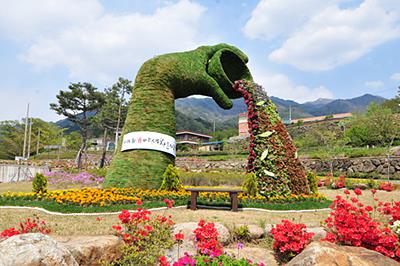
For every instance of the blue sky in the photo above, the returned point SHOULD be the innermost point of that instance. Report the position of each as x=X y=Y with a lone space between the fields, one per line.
x=298 y=49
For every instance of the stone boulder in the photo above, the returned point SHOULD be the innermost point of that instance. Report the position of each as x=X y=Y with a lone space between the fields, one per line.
x=319 y=232
x=255 y=232
x=257 y=255
x=34 y=250
x=325 y=253
x=89 y=250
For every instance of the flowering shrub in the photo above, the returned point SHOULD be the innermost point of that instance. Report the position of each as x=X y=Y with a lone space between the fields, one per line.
x=387 y=186
x=30 y=225
x=340 y=183
x=351 y=223
x=289 y=239
x=145 y=237
x=206 y=236
x=272 y=155
x=65 y=179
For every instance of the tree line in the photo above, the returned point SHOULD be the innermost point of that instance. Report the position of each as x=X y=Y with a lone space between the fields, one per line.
x=82 y=104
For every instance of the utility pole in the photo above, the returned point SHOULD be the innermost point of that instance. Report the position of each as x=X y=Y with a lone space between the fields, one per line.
x=38 y=142
x=26 y=132
x=29 y=139
x=214 y=126
x=290 y=114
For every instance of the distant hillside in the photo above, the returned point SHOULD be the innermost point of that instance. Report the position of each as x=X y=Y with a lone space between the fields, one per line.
x=358 y=104
x=199 y=114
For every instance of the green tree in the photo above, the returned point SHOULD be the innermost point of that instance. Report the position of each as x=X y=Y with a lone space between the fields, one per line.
x=76 y=103
x=378 y=126
x=73 y=141
x=12 y=137
x=113 y=112
x=393 y=104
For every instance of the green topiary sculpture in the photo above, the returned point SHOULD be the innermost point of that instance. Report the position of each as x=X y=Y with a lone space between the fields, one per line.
x=208 y=70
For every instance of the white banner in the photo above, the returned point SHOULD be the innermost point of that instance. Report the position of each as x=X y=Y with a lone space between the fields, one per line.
x=147 y=140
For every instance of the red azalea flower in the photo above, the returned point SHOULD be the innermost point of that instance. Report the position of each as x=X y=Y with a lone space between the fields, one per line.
x=179 y=237
x=163 y=261
x=148 y=228
x=99 y=219
x=358 y=191
x=139 y=202
x=170 y=203
x=117 y=227
x=346 y=191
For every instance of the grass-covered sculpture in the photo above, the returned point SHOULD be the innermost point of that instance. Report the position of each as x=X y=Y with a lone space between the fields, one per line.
x=208 y=70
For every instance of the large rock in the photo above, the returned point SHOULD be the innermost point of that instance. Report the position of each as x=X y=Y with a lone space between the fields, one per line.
x=319 y=232
x=255 y=232
x=368 y=167
x=325 y=253
x=257 y=255
x=89 y=250
x=34 y=250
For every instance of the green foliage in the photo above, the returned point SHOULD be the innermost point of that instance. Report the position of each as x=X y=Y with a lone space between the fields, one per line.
x=312 y=182
x=73 y=141
x=12 y=137
x=214 y=178
x=208 y=70
x=250 y=184
x=224 y=134
x=241 y=233
x=393 y=104
x=171 y=181
x=39 y=183
x=378 y=126
x=113 y=112
x=341 y=151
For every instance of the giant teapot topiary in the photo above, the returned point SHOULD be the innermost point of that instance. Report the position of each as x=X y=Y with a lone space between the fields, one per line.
x=207 y=70
x=210 y=71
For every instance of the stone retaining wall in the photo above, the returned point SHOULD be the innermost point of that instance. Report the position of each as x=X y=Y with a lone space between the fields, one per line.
x=349 y=165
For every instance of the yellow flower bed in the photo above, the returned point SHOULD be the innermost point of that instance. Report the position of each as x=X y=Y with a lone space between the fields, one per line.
x=109 y=196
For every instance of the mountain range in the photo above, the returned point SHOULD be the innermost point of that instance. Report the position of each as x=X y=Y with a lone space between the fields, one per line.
x=206 y=109
x=202 y=114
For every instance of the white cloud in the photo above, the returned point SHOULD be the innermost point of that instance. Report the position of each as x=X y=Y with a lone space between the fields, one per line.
x=374 y=84
x=22 y=19
x=113 y=45
x=280 y=18
x=395 y=76
x=331 y=36
x=281 y=86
